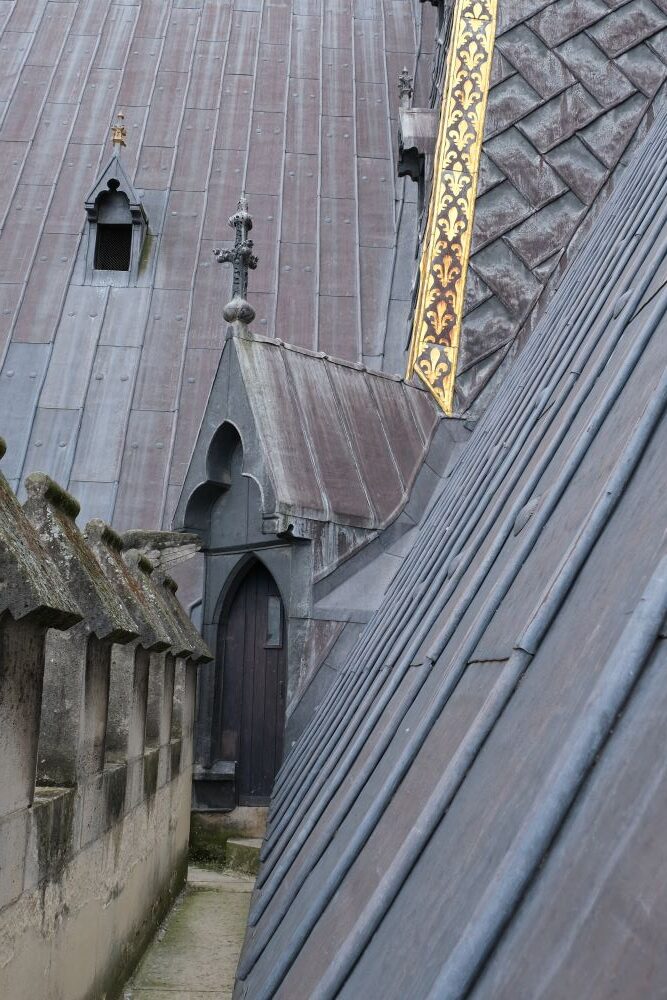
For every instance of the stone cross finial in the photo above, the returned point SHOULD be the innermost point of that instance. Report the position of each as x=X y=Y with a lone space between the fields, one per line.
x=405 y=88
x=118 y=131
x=241 y=257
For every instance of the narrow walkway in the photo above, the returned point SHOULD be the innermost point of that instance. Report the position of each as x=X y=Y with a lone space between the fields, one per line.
x=194 y=954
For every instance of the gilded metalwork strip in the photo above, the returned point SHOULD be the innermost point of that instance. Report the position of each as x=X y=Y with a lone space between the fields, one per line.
x=444 y=262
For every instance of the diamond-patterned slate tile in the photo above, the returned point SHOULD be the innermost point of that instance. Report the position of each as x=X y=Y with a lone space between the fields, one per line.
x=609 y=135
x=565 y=18
x=489 y=175
x=627 y=26
x=487 y=328
x=509 y=101
x=538 y=65
x=507 y=275
x=496 y=212
x=519 y=159
x=599 y=75
x=582 y=171
x=548 y=230
x=643 y=67
x=560 y=118
x=658 y=44
x=476 y=292
x=501 y=68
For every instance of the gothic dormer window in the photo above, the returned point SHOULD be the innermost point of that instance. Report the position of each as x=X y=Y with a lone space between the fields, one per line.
x=113 y=240
x=117 y=227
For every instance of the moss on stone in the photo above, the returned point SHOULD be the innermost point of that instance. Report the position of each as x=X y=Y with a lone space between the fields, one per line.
x=208 y=844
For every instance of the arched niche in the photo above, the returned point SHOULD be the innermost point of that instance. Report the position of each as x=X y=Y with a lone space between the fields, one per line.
x=227 y=505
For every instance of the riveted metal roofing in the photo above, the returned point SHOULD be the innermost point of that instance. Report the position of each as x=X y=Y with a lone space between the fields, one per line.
x=326 y=439
x=104 y=388
x=478 y=808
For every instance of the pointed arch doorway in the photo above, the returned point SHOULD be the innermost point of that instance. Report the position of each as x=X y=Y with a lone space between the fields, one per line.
x=251 y=683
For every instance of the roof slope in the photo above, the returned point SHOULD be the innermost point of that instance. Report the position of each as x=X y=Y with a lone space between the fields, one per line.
x=104 y=388
x=325 y=439
x=479 y=806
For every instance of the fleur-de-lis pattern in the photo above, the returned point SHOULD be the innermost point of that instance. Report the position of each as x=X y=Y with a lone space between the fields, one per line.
x=444 y=262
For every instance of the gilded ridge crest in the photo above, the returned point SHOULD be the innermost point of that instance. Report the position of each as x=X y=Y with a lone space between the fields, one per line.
x=444 y=262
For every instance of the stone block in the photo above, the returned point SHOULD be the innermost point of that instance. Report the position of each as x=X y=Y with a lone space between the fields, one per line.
x=560 y=118
x=151 y=764
x=508 y=102
x=13 y=841
x=513 y=283
x=599 y=75
x=538 y=65
x=72 y=730
x=53 y=834
x=548 y=230
x=496 y=212
x=609 y=135
x=565 y=18
x=242 y=854
x=53 y=512
x=582 y=171
x=643 y=67
x=134 y=787
x=530 y=173
x=103 y=802
x=21 y=666
x=164 y=765
x=627 y=26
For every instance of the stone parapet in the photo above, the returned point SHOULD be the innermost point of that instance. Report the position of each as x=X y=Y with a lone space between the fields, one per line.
x=97 y=696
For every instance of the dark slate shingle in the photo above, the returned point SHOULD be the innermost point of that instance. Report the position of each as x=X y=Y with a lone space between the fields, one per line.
x=548 y=230
x=628 y=26
x=538 y=65
x=560 y=118
x=530 y=173
x=599 y=75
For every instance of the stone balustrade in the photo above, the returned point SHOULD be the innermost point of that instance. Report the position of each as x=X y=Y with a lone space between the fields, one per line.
x=97 y=697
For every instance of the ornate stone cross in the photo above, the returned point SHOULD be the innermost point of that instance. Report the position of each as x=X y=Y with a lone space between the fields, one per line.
x=241 y=257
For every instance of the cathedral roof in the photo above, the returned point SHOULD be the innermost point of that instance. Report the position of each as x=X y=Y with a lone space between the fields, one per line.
x=476 y=809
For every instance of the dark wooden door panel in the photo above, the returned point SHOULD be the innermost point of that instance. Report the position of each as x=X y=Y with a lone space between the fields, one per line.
x=252 y=650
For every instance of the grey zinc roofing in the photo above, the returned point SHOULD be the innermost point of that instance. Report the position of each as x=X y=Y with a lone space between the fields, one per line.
x=104 y=388
x=478 y=807
x=325 y=439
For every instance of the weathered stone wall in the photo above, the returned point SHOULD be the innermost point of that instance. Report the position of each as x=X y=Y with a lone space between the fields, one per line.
x=97 y=698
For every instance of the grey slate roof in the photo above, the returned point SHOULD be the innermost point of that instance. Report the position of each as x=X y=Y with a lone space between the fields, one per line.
x=575 y=85
x=479 y=809
x=325 y=439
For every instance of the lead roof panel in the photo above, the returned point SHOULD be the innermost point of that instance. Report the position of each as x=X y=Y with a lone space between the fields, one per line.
x=433 y=836
x=216 y=98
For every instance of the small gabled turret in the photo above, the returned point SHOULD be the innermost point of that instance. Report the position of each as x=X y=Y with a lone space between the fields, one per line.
x=117 y=223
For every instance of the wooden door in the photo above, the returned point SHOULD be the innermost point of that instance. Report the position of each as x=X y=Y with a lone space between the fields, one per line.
x=253 y=661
